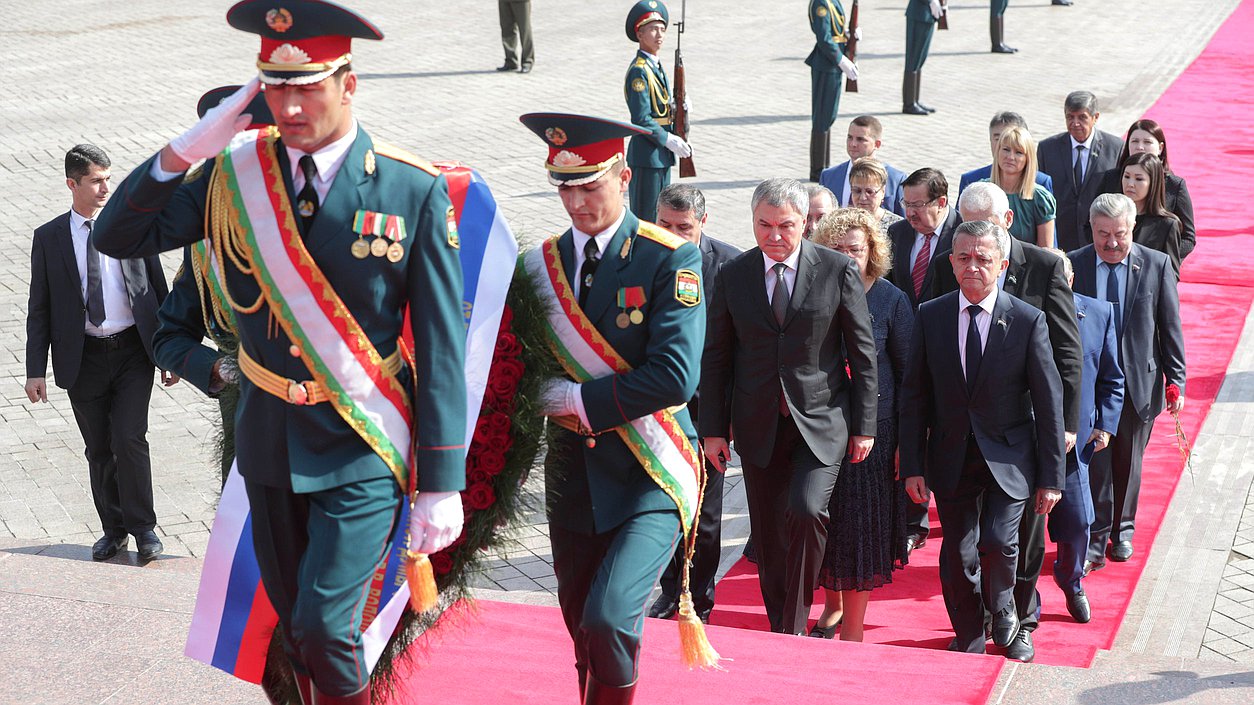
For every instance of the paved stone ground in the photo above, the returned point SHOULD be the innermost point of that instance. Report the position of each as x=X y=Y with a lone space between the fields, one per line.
x=127 y=75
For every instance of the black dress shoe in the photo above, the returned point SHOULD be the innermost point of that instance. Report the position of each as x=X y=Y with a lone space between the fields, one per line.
x=1078 y=607
x=1121 y=551
x=1005 y=625
x=1004 y=49
x=1021 y=648
x=1062 y=3
x=664 y=607
x=914 y=109
x=825 y=632
x=108 y=546
x=148 y=545
x=1090 y=566
x=914 y=541
x=526 y=68
x=506 y=67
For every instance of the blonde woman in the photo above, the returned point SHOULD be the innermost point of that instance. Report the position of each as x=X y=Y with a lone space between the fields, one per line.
x=866 y=537
x=1014 y=171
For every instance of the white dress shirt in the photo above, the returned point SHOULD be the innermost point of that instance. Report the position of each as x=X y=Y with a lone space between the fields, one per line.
x=581 y=240
x=983 y=321
x=117 y=303
x=790 y=273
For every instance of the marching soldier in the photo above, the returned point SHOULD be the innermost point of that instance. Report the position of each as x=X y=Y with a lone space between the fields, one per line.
x=648 y=93
x=827 y=61
x=622 y=473
x=921 y=17
x=320 y=239
x=997 y=27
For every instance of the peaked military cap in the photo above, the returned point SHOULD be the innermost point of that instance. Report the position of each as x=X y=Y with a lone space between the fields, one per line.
x=581 y=148
x=644 y=12
x=257 y=107
x=302 y=41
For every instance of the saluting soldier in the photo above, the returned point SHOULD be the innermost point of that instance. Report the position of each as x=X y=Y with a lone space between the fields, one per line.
x=321 y=238
x=827 y=61
x=652 y=152
x=997 y=27
x=622 y=474
x=921 y=17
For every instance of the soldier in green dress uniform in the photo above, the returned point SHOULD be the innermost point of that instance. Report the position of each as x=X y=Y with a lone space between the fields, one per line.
x=648 y=93
x=921 y=16
x=613 y=521
x=328 y=412
x=827 y=62
x=997 y=27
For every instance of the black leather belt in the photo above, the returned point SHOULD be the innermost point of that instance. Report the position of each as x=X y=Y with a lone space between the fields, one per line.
x=126 y=338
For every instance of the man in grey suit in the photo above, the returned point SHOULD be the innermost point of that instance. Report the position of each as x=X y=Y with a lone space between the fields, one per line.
x=786 y=321
x=981 y=424
x=1140 y=284
x=1076 y=160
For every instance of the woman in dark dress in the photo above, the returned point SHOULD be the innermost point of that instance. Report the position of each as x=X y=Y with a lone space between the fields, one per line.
x=1147 y=137
x=1156 y=227
x=866 y=537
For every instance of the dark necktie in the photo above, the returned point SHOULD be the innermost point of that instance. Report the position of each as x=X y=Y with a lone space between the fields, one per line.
x=1078 y=167
x=591 y=260
x=919 y=271
x=974 y=348
x=1112 y=295
x=779 y=296
x=307 y=199
x=95 y=292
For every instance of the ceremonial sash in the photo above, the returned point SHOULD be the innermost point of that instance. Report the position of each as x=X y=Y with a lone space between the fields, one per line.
x=657 y=440
x=332 y=344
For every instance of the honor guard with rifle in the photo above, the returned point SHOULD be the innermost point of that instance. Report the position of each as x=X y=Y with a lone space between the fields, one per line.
x=827 y=62
x=921 y=19
x=997 y=27
x=652 y=107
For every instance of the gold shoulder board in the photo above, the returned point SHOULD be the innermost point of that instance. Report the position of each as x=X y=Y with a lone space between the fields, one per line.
x=384 y=149
x=661 y=236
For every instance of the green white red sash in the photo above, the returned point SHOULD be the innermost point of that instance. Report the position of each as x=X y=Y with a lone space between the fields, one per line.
x=657 y=440
x=333 y=345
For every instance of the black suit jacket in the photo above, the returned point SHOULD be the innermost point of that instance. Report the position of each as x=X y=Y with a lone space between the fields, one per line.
x=1037 y=277
x=826 y=326
x=902 y=235
x=56 y=312
x=1162 y=234
x=714 y=254
x=1151 y=345
x=1014 y=411
x=1054 y=153
x=1177 y=201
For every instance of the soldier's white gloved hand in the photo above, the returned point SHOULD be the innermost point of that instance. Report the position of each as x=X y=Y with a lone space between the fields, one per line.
x=849 y=68
x=936 y=8
x=435 y=521
x=857 y=34
x=678 y=145
x=557 y=397
x=214 y=131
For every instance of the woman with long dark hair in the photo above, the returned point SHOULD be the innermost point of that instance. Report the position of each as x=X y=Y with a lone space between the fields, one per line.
x=1156 y=227
x=1147 y=137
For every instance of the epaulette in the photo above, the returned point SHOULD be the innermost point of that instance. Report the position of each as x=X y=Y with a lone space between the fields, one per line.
x=661 y=236
x=640 y=62
x=383 y=149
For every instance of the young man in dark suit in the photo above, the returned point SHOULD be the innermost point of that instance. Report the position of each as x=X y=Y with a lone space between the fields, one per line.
x=1141 y=287
x=1076 y=160
x=786 y=320
x=864 y=139
x=98 y=315
x=981 y=425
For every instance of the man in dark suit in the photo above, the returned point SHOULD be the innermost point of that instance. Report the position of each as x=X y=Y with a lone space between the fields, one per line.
x=786 y=320
x=1076 y=160
x=981 y=425
x=864 y=139
x=1101 y=400
x=98 y=315
x=681 y=210
x=1141 y=287
x=927 y=231
x=1000 y=122
x=1037 y=278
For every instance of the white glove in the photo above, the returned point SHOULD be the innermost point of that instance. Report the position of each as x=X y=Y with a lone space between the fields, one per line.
x=678 y=145
x=435 y=521
x=857 y=34
x=849 y=68
x=557 y=397
x=935 y=5
x=687 y=104
x=214 y=131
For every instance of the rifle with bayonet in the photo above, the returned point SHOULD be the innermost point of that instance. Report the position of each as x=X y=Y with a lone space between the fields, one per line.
x=679 y=116
x=851 y=46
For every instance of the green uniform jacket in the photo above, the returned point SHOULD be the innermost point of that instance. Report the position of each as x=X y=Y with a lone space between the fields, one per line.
x=593 y=490
x=648 y=94
x=829 y=24
x=919 y=11
x=177 y=345
x=310 y=448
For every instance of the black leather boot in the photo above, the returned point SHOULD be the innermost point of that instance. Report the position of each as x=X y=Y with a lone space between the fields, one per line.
x=599 y=693
x=997 y=32
x=910 y=94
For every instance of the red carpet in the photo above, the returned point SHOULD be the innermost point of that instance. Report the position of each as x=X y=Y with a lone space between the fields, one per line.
x=1217 y=91
x=521 y=654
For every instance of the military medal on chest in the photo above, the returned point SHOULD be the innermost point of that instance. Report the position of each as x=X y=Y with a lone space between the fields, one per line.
x=385 y=232
x=630 y=301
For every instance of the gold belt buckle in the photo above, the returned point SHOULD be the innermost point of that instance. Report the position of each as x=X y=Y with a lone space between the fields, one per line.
x=296 y=393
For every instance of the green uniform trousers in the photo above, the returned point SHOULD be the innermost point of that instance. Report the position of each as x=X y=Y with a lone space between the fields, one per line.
x=824 y=98
x=997 y=8
x=317 y=553
x=603 y=585
x=918 y=41
x=646 y=184
x=516 y=25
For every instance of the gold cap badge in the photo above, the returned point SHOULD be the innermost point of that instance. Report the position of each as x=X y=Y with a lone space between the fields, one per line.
x=279 y=19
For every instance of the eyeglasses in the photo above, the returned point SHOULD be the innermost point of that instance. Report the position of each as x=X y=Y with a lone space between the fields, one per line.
x=851 y=251
x=865 y=192
x=918 y=205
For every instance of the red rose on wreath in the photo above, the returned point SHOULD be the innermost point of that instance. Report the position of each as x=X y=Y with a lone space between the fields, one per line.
x=503 y=381
x=483 y=431
x=507 y=346
x=499 y=423
x=479 y=496
x=492 y=463
x=477 y=476
x=441 y=562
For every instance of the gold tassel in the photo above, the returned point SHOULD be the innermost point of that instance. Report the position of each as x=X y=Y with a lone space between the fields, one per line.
x=423 y=594
x=694 y=647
